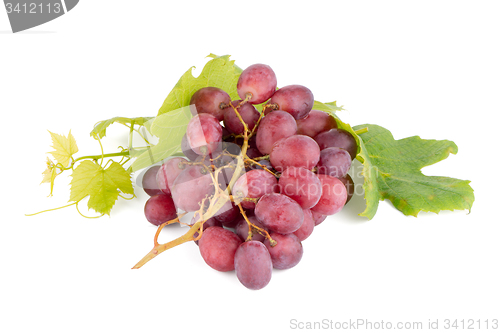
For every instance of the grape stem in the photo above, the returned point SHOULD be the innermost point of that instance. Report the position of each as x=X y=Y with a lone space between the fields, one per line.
x=216 y=201
x=159 y=248
x=361 y=130
x=262 y=166
x=253 y=226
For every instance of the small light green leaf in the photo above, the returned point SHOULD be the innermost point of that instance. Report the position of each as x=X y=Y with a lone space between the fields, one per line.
x=102 y=185
x=100 y=128
x=64 y=147
x=392 y=171
x=49 y=175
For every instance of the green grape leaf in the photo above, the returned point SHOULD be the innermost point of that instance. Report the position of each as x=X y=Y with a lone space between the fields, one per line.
x=219 y=72
x=392 y=170
x=64 y=147
x=100 y=128
x=169 y=128
x=330 y=107
x=102 y=185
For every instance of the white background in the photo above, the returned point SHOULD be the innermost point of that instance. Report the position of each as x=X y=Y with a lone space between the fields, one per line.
x=427 y=68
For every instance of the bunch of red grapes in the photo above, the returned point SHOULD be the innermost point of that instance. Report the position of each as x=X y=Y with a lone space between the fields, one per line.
x=282 y=171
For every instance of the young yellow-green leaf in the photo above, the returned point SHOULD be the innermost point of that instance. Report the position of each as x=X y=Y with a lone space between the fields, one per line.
x=102 y=185
x=219 y=72
x=392 y=171
x=64 y=147
x=49 y=175
x=100 y=128
x=169 y=128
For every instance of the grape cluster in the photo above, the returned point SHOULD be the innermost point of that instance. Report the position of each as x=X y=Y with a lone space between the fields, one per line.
x=259 y=182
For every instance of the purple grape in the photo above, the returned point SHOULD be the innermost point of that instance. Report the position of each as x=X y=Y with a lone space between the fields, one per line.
x=253 y=265
x=211 y=100
x=168 y=173
x=301 y=185
x=218 y=247
x=242 y=229
x=333 y=198
x=349 y=185
x=191 y=186
x=279 y=213
x=276 y=125
x=160 y=208
x=204 y=133
x=228 y=215
x=294 y=99
x=254 y=184
x=287 y=252
x=307 y=226
x=258 y=80
x=149 y=181
x=295 y=151
x=334 y=161
x=316 y=122
x=337 y=137
x=247 y=112
x=253 y=153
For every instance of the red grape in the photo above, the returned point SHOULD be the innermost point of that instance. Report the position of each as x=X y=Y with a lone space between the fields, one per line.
x=307 y=226
x=334 y=161
x=254 y=184
x=279 y=213
x=294 y=99
x=287 y=253
x=228 y=214
x=192 y=185
x=247 y=112
x=218 y=247
x=258 y=80
x=333 y=198
x=149 y=181
x=297 y=151
x=315 y=123
x=160 y=208
x=242 y=229
x=211 y=100
x=276 y=125
x=253 y=265
x=337 y=137
x=204 y=133
x=168 y=173
x=301 y=185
